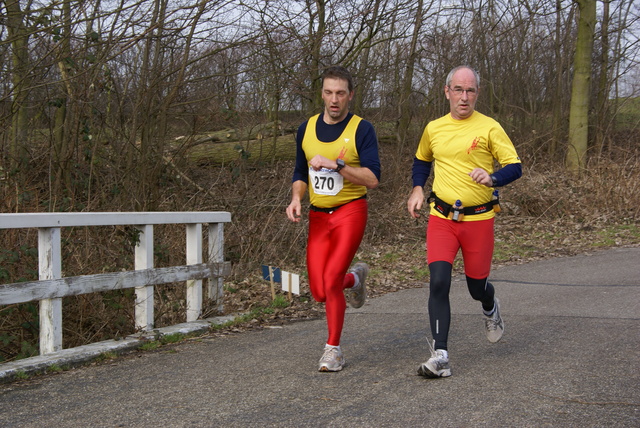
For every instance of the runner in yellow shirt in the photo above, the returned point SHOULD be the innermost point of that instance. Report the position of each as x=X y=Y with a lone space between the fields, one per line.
x=462 y=147
x=337 y=161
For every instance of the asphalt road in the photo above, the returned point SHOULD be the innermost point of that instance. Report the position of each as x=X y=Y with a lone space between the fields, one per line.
x=570 y=356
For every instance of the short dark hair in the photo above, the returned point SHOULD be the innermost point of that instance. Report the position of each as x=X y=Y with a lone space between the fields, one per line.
x=338 y=72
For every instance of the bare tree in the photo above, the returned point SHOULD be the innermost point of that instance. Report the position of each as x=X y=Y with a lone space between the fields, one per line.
x=21 y=69
x=105 y=93
x=371 y=13
x=580 y=92
x=602 y=97
x=404 y=116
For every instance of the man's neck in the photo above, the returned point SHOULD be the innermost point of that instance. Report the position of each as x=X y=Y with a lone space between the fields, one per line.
x=331 y=120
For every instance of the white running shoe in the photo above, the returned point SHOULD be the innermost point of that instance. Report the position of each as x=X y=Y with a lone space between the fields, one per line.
x=494 y=325
x=357 y=294
x=332 y=360
x=436 y=366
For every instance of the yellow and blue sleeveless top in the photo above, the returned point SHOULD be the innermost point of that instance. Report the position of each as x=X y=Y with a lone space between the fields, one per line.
x=342 y=148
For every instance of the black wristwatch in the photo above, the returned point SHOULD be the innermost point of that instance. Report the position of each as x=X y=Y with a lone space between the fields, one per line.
x=340 y=163
x=494 y=180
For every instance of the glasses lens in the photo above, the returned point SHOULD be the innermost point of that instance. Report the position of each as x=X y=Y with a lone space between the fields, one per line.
x=459 y=91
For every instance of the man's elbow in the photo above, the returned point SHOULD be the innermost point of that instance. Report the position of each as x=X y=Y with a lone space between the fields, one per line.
x=518 y=170
x=372 y=184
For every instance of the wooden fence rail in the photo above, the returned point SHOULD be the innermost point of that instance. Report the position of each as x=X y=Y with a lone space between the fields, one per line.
x=52 y=287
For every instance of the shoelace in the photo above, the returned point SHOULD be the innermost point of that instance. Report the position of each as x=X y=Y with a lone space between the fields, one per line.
x=439 y=361
x=328 y=354
x=431 y=348
x=434 y=354
x=491 y=323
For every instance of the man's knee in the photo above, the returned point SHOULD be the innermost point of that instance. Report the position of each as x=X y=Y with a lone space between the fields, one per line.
x=439 y=278
x=480 y=289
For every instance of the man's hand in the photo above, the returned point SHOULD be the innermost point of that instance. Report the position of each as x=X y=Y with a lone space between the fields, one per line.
x=294 y=211
x=318 y=162
x=481 y=176
x=416 y=199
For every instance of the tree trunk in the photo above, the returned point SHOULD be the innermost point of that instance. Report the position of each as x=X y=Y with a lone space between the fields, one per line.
x=62 y=136
x=557 y=99
x=145 y=175
x=404 y=113
x=21 y=78
x=363 y=82
x=602 y=113
x=579 y=110
x=314 y=62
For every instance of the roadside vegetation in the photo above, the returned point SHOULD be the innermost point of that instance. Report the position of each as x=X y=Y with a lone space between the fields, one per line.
x=193 y=105
x=547 y=213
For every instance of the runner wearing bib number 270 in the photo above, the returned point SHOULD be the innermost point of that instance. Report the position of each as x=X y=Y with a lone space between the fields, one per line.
x=336 y=161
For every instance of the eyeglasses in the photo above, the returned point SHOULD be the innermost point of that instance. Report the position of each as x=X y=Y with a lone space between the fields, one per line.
x=459 y=91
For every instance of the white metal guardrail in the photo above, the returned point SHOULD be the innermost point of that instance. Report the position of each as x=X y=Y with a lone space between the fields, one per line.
x=52 y=287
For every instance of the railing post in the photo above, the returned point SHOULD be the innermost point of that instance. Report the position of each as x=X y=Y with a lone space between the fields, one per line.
x=216 y=255
x=144 y=295
x=50 y=267
x=194 y=256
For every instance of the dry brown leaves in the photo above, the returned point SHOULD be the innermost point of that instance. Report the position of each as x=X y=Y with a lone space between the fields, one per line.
x=402 y=265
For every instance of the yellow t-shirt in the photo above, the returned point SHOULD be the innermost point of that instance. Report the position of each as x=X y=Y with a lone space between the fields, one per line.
x=344 y=148
x=456 y=147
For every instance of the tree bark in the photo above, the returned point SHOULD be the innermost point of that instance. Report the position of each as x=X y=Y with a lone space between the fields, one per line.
x=21 y=78
x=579 y=110
x=363 y=86
x=315 y=63
x=404 y=113
x=602 y=106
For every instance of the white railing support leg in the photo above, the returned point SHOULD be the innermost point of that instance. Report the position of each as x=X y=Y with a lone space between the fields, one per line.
x=194 y=286
x=216 y=255
x=50 y=267
x=144 y=295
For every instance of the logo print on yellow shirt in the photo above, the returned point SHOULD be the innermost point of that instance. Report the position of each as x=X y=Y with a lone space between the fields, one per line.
x=474 y=145
x=343 y=151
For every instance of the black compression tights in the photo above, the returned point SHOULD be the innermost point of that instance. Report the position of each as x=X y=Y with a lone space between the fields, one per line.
x=439 y=306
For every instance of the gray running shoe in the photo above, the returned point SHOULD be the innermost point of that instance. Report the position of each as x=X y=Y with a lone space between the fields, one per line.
x=494 y=324
x=332 y=360
x=436 y=366
x=357 y=294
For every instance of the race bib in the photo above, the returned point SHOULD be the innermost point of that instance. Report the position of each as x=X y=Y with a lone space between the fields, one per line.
x=326 y=181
